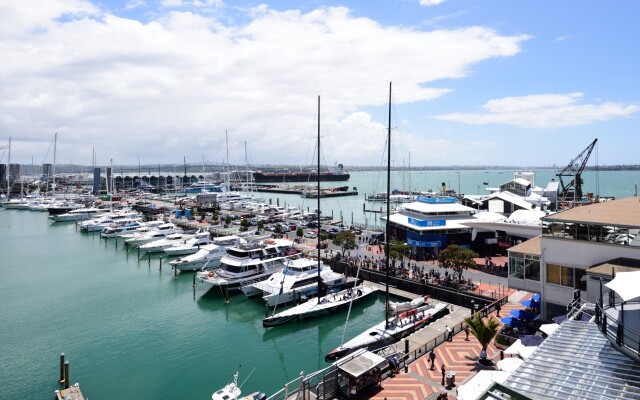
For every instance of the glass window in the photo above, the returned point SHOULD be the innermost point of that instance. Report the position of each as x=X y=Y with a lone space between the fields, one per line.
x=532 y=269
x=560 y=275
x=553 y=274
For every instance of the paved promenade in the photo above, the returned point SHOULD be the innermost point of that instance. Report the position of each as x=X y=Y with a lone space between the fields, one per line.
x=459 y=355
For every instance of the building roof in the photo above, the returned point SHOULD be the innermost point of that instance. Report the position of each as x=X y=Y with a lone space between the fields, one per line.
x=510 y=198
x=577 y=362
x=421 y=207
x=622 y=212
x=531 y=246
x=616 y=265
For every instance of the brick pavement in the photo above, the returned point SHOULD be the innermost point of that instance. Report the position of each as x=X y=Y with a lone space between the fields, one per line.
x=459 y=355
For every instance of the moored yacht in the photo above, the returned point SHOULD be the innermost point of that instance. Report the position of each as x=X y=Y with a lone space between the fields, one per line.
x=124 y=217
x=117 y=230
x=208 y=256
x=168 y=241
x=158 y=233
x=298 y=280
x=190 y=246
x=250 y=262
x=78 y=214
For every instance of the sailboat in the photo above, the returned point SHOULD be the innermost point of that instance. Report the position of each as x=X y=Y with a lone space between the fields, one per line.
x=324 y=304
x=401 y=324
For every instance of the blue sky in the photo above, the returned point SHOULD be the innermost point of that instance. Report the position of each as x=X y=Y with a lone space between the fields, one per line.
x=475 y=82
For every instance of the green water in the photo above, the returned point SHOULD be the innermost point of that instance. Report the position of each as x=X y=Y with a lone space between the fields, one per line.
x=131 y=331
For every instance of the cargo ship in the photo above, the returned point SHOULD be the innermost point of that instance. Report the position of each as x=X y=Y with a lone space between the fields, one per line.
x=336 y=173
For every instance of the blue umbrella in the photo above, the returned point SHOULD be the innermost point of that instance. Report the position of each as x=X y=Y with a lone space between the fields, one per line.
x=521 y=314
x=509 y=321
x=559 y=319
x=535 y=297
x=531 y=340
x=531 y=303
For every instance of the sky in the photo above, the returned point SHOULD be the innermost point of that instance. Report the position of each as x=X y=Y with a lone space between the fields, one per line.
x=500 y=82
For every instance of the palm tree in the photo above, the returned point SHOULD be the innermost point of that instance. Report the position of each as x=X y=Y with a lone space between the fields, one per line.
x=260 y=225
x=483 y=330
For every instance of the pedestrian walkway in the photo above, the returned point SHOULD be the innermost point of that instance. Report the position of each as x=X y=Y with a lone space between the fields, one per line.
x=459 y=355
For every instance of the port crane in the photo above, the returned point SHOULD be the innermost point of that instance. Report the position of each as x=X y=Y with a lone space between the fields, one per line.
x=572 y=191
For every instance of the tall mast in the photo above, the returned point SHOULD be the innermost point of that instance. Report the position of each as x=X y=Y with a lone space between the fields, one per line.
x=53 y=170
x=318 y=174
x=7 y=170
x=388 y=231
x=227 y=178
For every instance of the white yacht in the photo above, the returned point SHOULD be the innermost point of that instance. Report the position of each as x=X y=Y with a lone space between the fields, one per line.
x=251 y=262
x=208 y=256
x=190 y=246
x=299 y=280
x=158 y=233
x=145 y=227
x=168 y=241
x=321 y=306
x=388 y=332
x=78 y=214
x=116 y=230
x=124 y=217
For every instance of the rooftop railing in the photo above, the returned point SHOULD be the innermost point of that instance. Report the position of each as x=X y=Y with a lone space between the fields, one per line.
x=610 y=315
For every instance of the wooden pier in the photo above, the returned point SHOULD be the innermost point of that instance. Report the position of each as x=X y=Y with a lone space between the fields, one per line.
x=72 y=393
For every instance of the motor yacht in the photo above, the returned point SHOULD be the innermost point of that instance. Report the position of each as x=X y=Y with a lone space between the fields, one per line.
x=190 y=246
x=158 y=233
x=299 y=280
x=78 y=214
x=249 y=263
x=168 y=241
x=208 y=256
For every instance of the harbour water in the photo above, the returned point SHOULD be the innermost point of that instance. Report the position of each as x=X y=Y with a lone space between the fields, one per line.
x=131 y=331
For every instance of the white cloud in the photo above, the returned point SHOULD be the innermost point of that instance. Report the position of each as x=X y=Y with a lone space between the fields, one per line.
x=170 y=87
x=429 y=3
x=543 y=111
x=133 y=4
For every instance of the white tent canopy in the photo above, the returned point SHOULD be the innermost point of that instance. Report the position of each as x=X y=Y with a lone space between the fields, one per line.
x=517 y=348
x=509 y=364
x=480 y=383
x=626 y=285
x=549 y=328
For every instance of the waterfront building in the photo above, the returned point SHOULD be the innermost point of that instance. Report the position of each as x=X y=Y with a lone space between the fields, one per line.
x=430 y=224
x=576 y=249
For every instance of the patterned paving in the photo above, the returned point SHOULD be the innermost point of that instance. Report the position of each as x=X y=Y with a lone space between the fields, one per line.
x=459 y=355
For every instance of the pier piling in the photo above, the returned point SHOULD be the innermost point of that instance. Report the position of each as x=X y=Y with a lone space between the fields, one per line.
x=138 y=252
x=149 y=258
x=66 y=375
x=105 y=243
x=61 y=368
x=194 y=279
x=116 y=243
x=175 y=273
x=160 y=263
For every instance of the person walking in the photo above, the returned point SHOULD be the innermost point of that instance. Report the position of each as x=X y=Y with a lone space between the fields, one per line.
x=443 y=373
x=432 y=357
x=498 y=309
x=466 y=332
x=449 y=333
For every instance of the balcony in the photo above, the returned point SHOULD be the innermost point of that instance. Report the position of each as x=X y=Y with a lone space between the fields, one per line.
x=619 y=322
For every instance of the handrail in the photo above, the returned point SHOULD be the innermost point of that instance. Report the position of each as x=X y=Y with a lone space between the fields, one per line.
x=625 y=338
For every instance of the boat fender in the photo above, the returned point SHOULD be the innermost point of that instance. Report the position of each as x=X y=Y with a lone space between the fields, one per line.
x=210 y=274
x=359 y=292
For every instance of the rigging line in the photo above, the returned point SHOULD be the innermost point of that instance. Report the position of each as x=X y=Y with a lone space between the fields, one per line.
x=353 y=292
x=47 y=154
x=245 y=381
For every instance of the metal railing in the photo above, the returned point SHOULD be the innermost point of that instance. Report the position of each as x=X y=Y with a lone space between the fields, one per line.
x=621 y=336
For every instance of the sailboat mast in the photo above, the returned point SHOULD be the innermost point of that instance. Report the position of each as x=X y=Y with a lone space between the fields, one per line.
x=318 y=174
x=388 y=230
x=7 y=170
x=53 y=171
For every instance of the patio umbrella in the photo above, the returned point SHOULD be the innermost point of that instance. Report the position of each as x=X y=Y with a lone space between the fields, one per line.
x=535 y=297
x=521 y=314
x=531 y=340
x=509 y=321
x=626 y=285
x=531 y=303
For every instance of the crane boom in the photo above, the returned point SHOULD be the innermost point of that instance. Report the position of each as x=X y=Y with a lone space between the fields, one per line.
x=572 y=191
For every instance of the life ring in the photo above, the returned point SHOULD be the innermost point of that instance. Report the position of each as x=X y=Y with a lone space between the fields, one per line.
x=210 y=274
x=359 y=293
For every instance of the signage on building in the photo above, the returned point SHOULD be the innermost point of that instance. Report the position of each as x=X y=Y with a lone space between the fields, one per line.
x=436 y=200
x=427 y=222
x=505 y=245
x=422 y=243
